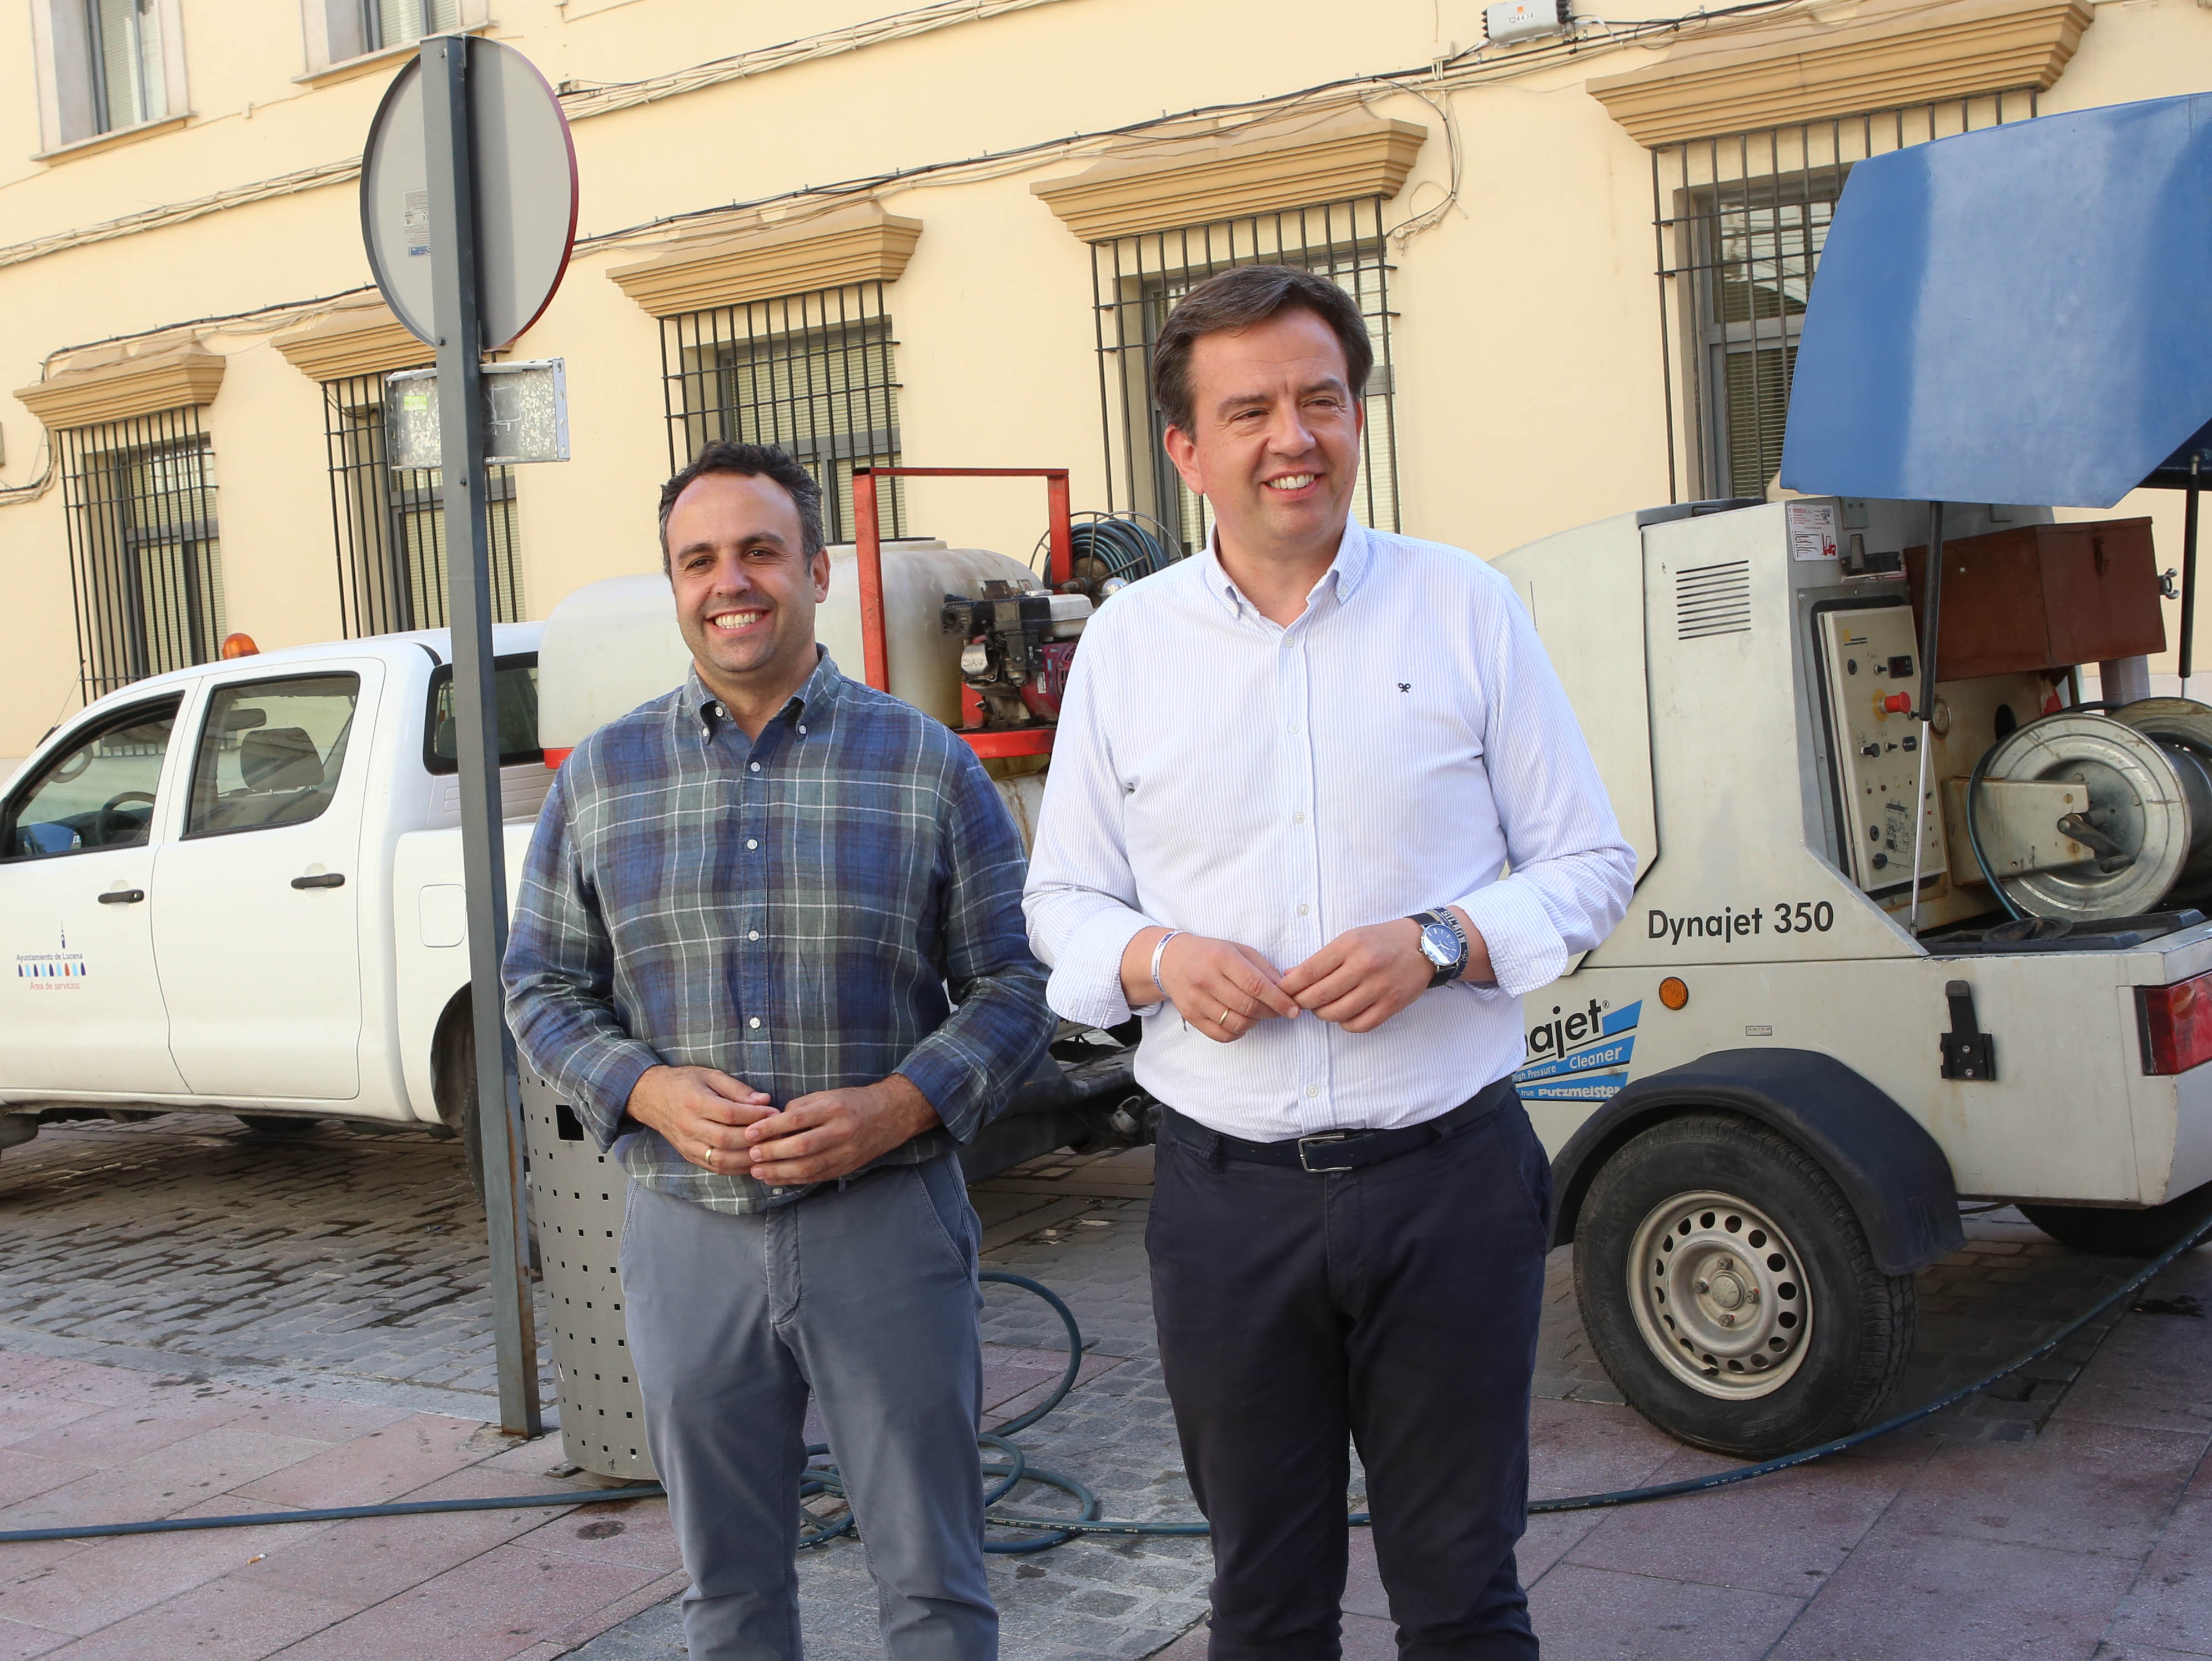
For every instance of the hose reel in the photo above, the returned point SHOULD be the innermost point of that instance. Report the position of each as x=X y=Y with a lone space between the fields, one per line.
x=2128 y=796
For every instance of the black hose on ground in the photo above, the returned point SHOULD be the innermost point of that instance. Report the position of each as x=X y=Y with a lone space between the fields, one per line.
x=1050 y=1531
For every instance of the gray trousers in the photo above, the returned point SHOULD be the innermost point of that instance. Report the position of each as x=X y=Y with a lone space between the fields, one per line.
x=869 y=1296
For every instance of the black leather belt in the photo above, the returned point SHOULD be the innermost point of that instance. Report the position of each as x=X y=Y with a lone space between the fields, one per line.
x=1336 y=1150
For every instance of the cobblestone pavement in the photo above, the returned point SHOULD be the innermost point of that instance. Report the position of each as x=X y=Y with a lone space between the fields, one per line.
x=344 y=1253
x=352 y=1264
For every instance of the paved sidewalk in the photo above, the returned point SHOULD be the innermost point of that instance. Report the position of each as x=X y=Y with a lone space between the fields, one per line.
x=197 y=1318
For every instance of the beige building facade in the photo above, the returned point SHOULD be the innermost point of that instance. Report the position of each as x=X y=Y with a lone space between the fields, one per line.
x=941 y=237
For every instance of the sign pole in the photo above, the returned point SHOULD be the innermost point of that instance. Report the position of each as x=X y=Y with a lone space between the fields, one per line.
x=458 y=321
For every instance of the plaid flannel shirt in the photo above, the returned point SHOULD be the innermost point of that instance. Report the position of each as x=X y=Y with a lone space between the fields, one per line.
x=789 y=909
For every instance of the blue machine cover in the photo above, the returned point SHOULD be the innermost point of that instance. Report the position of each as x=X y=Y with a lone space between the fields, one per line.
x=2022 y=314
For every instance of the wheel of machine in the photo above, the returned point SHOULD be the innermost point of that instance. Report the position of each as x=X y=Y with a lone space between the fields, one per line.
x=2123 y=1234
x=454 y=1060
x=1729 y=1290
x=279 y=1125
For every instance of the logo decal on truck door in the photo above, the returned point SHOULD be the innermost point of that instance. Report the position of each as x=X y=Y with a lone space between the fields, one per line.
x=1582 y=1056
x=61 y=971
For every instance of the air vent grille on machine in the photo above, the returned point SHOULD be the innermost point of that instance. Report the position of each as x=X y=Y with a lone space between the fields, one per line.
x=1712 y=599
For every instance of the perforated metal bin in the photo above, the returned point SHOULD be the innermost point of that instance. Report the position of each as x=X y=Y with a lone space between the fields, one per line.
x=577 y=1196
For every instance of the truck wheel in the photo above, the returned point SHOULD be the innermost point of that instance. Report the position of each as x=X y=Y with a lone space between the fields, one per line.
x=2118 y=1234
x=455 y=1088
x=1728 y=1287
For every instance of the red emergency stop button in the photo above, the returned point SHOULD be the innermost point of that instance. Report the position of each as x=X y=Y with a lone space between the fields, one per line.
x=1897 y=703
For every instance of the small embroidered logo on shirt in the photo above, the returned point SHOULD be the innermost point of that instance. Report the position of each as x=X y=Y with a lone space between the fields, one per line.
x=1405 y=686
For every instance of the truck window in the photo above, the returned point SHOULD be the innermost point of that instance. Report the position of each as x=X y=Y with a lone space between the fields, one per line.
x=98 y=793
x=270 y=753
x=514 y=694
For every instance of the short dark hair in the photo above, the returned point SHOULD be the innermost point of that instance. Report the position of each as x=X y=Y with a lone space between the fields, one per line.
x=1237 y=299
x=755 y=461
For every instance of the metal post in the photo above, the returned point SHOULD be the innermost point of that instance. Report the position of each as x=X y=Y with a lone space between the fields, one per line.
x=1931 y=619
x=2189 y=569
x=455 y=300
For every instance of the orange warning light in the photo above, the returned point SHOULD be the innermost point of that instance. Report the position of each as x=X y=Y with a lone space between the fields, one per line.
x=239 y=646
x=1674 y=992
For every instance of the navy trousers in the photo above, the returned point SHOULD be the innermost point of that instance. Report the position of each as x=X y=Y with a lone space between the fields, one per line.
x=1393 y=1305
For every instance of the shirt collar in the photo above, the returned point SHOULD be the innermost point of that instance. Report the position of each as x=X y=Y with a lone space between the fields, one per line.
x=812 y=702
x=1355 y=554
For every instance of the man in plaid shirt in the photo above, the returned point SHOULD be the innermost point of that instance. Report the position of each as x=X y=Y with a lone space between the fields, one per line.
x=739 y=920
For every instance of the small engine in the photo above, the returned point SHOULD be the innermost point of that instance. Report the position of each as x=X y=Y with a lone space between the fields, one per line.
x=1019 y=645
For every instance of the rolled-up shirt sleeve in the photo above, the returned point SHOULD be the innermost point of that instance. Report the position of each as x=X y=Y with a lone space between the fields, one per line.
x=559 y=976
x=1081 y=901
x=1569 y=872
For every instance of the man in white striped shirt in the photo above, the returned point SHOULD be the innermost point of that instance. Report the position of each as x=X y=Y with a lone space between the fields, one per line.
x=1289 y=772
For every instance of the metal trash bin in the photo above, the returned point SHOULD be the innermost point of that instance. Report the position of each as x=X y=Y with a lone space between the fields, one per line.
x=576 y=1198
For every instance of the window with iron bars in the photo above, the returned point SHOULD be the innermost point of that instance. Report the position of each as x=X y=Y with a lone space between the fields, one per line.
x=395 y=22
x=1137 y=281
x=1741 y=222
x=391 y=526
x=145 y=565
x=813 y=374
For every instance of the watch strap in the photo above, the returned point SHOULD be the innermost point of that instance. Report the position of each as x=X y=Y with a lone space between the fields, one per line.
x=1444 y=974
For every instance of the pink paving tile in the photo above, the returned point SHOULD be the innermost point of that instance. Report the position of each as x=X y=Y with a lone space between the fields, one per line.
x=54 y=1379
x=1906 y=1596
x=634 y=1532
x=2110 y=1651
x=115 y=1435
x=382 y=1465
x=24 y=1416
x=636 y=1601
x=19 y=1643
x=2078 y=1487
x=487 y=1609
x=2153 y=1371
x=1191 y=1646
x=111 y=1579
x=222 y=1621
x=361 y=1563
x=1783 y=1534
x=1017 y=1379
x=25 y=1475
x=318 y=1421
x=2171 y=1603
x=1596 y=1614
x=1366 y=1639
x=1583 y=1447
x=1550 y=1537
x=483 y=1481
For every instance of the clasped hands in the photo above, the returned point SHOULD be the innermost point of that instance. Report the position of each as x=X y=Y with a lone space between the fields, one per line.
x=1357 y=981
x=723 y=1125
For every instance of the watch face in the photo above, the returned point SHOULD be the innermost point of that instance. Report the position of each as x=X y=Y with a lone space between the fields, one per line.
x=1439 y=944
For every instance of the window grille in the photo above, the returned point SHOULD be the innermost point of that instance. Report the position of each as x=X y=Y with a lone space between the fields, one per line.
x=390 y=526
x=813 y=374
x=1741 y=222
x=123 y=38
x=145 y=566
x=1136 y=282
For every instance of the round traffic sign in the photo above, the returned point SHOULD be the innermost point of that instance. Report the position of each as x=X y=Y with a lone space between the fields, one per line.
x=526 y=194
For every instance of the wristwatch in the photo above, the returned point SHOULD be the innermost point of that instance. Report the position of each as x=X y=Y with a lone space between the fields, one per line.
x=1444 y=942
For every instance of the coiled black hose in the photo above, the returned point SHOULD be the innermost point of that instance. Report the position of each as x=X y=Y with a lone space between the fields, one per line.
x=1046 y=1532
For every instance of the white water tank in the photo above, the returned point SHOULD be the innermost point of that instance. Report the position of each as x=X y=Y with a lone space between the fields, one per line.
x=613 y=644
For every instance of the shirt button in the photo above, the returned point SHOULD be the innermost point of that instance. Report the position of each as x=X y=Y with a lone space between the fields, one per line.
x=1297 y=819
x=1313 y=1089
x=754 y=1022
x=802 y=732
x=1303 y=910
x=752 y=934
x=1294 y=732
x=755 y=767
x=751 y=843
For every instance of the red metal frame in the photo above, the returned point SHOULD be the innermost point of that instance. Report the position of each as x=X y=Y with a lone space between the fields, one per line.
x=868 y=541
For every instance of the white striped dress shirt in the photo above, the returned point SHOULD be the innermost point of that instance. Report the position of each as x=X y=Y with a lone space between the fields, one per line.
x=1394 y=748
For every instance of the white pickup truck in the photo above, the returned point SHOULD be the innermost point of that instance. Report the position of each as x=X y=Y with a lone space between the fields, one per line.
x=237 y=887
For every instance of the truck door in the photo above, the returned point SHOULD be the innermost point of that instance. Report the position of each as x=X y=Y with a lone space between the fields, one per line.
x=255 y=903
x=80 y=1009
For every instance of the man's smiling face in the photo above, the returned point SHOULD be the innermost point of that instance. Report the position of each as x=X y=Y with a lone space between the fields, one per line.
x=1274 y=443
x=745 y=593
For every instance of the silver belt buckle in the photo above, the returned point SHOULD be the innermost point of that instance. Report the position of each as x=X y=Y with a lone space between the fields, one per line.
x=1306 y=1147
